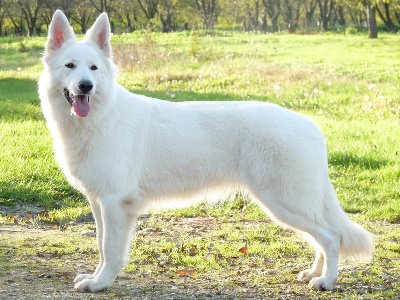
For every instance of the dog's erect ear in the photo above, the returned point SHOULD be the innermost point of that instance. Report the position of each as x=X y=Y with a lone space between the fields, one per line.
x=59 y=31
x=100 y=32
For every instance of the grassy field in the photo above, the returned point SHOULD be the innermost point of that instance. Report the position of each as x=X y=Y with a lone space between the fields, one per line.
x=348 y=84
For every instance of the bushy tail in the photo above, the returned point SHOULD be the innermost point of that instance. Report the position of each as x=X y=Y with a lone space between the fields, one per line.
x=355 y=241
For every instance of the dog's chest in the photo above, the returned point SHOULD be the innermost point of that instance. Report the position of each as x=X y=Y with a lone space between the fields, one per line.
x=97 y=165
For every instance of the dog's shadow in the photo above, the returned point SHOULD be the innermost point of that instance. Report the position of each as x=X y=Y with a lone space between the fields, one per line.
x=348 y=160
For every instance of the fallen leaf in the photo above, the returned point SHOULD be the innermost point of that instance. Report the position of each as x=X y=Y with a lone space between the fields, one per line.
x=185 y=271
x=244 y=249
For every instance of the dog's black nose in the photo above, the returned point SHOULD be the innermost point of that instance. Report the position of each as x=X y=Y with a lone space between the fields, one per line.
x=85 y=86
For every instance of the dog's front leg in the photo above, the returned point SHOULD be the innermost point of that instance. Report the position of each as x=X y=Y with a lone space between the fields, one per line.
x=118 y=218
x=99 y=237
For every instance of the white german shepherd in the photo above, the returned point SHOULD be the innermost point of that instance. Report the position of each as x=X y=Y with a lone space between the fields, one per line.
x=125 y=151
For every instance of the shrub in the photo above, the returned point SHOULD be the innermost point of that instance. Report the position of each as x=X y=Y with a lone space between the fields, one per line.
x=351 y=30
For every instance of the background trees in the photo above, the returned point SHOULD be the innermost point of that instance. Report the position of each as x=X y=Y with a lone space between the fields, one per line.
x=31 y=17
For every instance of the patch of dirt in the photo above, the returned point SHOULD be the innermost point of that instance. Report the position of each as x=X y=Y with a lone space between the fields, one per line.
x=40 y=276
x=41 y=262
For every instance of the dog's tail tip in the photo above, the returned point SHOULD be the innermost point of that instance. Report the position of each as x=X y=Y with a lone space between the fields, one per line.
x=356 y=242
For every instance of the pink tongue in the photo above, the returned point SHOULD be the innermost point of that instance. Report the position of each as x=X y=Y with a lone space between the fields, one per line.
x=81 y=105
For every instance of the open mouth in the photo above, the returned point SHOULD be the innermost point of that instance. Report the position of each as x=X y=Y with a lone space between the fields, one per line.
x=79 y=103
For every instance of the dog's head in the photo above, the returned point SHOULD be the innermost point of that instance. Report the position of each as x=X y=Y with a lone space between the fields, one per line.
x=78 y=70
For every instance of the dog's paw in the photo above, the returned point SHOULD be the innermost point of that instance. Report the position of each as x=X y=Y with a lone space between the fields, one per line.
x=89 y=286
x=307 y=275
x=321 y=284
x=81 y=277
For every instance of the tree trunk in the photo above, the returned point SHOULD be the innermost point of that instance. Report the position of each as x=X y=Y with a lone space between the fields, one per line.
x=83 y=21
x=149 y=8
x=386 y=18
x=272 y=8
x=340 y=15
x=209 y=12
x=264 y=24
x=325 y=8
x=310 y=8
x=274 y=23
x=31 y=30
x=372 y=29
x=397 y=15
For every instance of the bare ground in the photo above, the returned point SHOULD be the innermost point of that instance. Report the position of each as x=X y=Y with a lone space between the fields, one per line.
x=40 y=262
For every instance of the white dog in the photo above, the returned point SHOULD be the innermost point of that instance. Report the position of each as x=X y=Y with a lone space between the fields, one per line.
x=125 y=151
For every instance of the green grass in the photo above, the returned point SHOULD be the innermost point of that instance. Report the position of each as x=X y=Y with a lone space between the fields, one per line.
x=348 y=84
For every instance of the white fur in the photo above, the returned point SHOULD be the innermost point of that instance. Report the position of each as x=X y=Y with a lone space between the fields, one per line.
x=131 y=151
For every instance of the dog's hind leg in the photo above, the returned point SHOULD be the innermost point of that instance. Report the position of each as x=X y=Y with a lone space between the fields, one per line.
x=323 y=274
x=316 y=269
x=328 y=257
x=118 y=217
x=99 y=237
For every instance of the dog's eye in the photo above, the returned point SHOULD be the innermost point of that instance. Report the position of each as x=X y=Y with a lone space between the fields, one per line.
x=93 y=68
x=70 y=65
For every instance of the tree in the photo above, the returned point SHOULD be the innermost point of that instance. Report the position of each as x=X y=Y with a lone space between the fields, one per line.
x=82 y=14
x=291 y=13
x=50 y=6
x=310 y=7
x=149 y=8
x=127 y=13
x=325 y=10
x=2 y=15
x=255 y=17
x=355 y=12
x=167 y=12
x=385 y=15
x=209 y=12
x=14 y=15
x=30 y=11
x=273 y=8
x=31 y=16
x=371 y=20
x=396 y=10
x=339 y=11
x=104 y=6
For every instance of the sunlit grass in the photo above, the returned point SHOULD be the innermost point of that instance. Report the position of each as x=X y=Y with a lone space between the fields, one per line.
x=347 y=84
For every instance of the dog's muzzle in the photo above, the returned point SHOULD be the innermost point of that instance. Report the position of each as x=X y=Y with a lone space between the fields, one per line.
x=79 y=103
